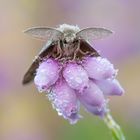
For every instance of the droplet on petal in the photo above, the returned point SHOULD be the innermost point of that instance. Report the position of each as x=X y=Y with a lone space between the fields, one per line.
x=99 y=68
x=76 y=76
x=110 y=87
x=65 y=102
x=47 y=74
x=93 y=99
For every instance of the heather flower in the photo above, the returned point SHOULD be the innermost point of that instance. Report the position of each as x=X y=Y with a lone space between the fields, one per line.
x=70 y=83
x=47 y=74
x=64 y=100
x=93 y=99
x=76 y=76
x=110 y=86
x=99 y=68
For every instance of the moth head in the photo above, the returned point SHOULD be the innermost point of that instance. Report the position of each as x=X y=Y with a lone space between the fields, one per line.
x=69 y=33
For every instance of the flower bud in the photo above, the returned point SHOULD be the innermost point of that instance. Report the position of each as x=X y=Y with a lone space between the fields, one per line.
x=93 y=99
x=47 y=74
x=76 y=76
x=65 y=102
x=99 y=68
x=110 y=87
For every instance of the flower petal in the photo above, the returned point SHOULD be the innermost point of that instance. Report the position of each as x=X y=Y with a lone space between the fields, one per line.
x=76 y=76
x=96 y=110
x=47 y=74
x=65 y=101
x=99 y=68
x=110 y=87
x=93 y=99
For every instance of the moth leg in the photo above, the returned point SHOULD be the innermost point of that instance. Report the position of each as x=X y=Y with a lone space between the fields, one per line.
x=59 y=50
x=76 y=51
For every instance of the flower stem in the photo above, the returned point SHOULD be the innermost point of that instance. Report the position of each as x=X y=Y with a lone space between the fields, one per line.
x=116 y=131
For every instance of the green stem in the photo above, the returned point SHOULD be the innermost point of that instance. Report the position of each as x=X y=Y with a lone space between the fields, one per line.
x=114 y=127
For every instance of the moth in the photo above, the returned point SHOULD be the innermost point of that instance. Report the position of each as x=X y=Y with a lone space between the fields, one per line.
x=67 y=42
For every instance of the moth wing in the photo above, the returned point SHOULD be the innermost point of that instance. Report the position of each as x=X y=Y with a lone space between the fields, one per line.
x=44 y=33
x=93 y=33
x=30 y=74
x=86 y=47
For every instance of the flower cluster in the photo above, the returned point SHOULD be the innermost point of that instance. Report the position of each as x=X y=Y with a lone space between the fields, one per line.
x=70 y=83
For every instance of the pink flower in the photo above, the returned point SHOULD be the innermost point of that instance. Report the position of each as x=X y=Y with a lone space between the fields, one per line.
x=68 y=84
x=65 y=101
x=76 y=76
x=47 y=74
x=99 y=68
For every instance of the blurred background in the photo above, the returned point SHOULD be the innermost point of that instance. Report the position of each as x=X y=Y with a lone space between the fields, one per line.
x=27 y=115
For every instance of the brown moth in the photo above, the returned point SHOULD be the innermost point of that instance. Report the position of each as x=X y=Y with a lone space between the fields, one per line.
x=64 y=43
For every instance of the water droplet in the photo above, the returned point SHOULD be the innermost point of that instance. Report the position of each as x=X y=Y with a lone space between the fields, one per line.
x=78 y=80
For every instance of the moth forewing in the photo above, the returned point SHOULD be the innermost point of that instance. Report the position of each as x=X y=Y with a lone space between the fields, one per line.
x=46 y=51
x=44 y=33
x=93 y=33
x=86 y=49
